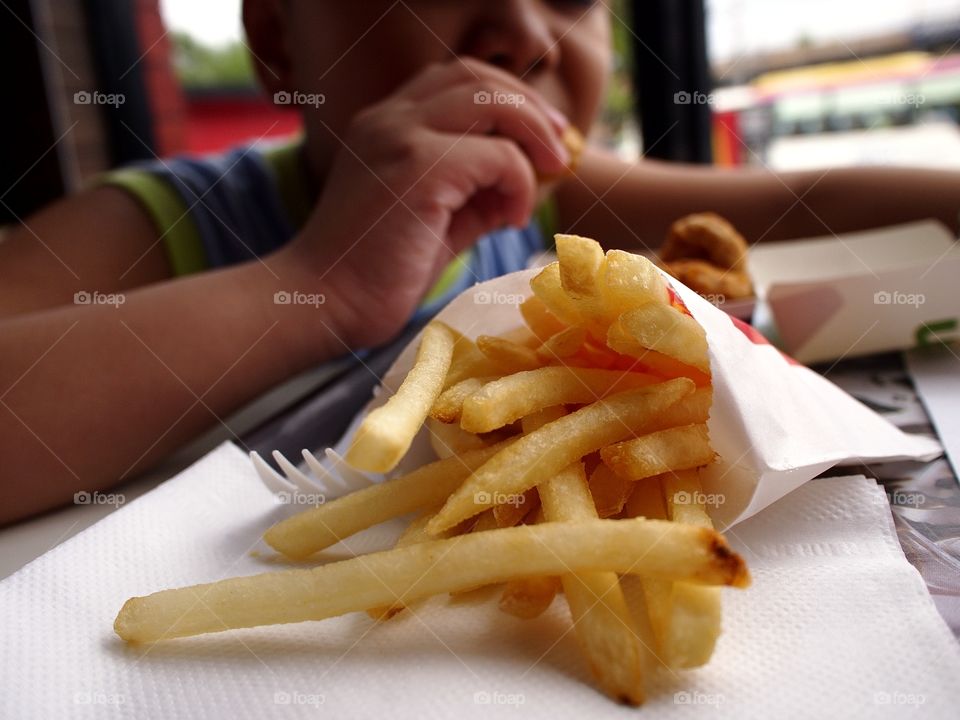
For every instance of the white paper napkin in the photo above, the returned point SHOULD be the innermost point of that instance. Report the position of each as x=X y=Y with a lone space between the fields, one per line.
x=837 y=624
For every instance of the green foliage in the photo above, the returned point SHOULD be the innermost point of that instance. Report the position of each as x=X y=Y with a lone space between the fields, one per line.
x=618 y=107
x=200 y=66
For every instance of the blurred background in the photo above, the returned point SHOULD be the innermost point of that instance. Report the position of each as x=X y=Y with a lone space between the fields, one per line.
x=777 y=83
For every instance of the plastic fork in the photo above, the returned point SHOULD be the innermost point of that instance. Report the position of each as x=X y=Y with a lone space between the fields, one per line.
x=326 y=481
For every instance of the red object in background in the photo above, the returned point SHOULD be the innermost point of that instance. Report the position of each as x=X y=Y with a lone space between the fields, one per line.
x=220 y=120
x=727 y=145
x=202 y=123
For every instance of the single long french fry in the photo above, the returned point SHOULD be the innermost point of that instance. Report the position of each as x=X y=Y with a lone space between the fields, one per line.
x=668 y=450
x=502 y=401
x=602 y=620
x=406 y=574
x=317 y=528
x=540 y=455
x=385 y=435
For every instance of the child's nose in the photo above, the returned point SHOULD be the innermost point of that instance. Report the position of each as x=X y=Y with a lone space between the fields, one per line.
x=514 y=35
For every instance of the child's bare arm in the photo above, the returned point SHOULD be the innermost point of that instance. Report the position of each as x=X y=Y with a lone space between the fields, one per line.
x=640 y=202
x=99 y=239
x=91 y=393
x=94 y=393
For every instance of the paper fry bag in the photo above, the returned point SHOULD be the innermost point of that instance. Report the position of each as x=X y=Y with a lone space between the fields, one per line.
x=774 y=423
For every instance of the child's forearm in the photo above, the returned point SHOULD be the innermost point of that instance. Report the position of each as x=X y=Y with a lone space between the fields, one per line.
x=93 y=393
x=635 y=205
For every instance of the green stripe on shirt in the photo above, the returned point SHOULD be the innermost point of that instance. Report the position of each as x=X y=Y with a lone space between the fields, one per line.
x=169 y=213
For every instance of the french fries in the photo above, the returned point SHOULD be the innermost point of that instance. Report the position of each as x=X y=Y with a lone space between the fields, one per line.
x=609 y=490
x=678 y=448
x=508 y=356
x=684 y=617
x=529 y=597
x=541 y=322
x=448 y=439
x=406 y=574
x=669 y=331
x=526 y=463
x=628 y=281
x=602 y=621
x=609 y=374
x=449 y=404
x=562 y=345
x=579 y=261
x=695 y=621
x=385 y=435
x=510 y=398
x=317 y=528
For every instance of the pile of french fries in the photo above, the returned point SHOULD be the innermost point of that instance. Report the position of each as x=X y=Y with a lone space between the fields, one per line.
x=569 y=455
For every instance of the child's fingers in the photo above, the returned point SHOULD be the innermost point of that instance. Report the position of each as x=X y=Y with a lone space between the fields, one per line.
x=503 y=187
x=466 y=70
x=456 y=111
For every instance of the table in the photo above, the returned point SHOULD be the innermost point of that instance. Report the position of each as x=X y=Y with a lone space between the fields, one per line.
x=924 y=497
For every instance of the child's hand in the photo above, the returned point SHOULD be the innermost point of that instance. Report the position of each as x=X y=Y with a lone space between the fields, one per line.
x=452 y=155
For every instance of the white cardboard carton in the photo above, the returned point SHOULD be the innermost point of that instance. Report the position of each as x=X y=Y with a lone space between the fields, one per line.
x=862 y=293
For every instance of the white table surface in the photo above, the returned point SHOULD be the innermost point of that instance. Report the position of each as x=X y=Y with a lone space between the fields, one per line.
x=27 y=540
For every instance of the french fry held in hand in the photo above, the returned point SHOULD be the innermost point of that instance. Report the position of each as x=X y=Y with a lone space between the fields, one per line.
x=610 y=371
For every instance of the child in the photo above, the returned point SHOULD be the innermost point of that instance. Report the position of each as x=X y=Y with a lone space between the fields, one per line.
x=403 y=169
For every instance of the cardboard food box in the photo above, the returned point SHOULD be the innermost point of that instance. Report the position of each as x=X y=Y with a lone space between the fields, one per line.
x=861 y=293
